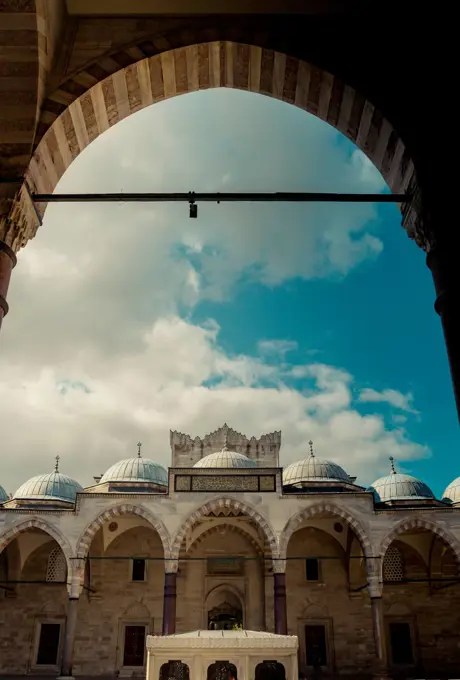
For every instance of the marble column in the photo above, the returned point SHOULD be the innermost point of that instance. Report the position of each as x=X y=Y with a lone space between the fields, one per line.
x=442 y=260
x=169 y=603
x=279 y=587
x=381 y=665
x=7 y=263
x=69 y=640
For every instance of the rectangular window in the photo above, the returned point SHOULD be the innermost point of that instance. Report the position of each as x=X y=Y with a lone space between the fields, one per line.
x=48 y=644
x=134 y=645
x=315 y=645
x=312 y=569
x=138 y=573
x=401 y=644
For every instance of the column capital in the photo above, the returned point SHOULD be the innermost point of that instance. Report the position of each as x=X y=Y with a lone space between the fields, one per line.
x=171 y=565
x=416 y=221
x=76 y=578
x=279 y=566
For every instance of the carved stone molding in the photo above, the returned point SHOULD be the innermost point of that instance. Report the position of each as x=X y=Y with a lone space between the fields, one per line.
x=416 y=221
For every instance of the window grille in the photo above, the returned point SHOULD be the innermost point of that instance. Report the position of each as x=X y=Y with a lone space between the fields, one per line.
x=393 y=565
x=57 y=567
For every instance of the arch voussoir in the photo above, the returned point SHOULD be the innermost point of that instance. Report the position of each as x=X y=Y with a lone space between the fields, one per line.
x=90 y=531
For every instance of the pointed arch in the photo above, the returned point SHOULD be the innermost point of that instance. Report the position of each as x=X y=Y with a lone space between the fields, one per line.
x=199 y=65
x=14 y=531
x=408 y=524
x=84 y=542
x=222 y=504
x=320 y=509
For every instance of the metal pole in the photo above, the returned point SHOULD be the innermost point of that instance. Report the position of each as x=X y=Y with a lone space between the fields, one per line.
x=238 y=197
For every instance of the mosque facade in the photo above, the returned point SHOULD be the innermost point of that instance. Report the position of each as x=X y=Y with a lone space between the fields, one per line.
x=367 y=578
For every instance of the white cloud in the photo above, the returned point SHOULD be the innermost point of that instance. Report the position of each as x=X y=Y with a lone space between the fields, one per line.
x=389 y=396
x=179 y=377
x=99 y=348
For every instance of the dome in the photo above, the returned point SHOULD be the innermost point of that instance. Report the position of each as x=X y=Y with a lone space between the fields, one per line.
x=452 y=493
x=52 y=486
x=400 y=487
x=225 y=459
x=136 y=470
x=3 y=495
x=313 y=469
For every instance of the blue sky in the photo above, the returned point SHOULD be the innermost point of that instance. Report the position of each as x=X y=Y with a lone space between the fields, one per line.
x=314 y=319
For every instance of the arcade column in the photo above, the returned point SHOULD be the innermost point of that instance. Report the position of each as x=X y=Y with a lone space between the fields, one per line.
x=169 y=602
x=443 y=262
x=279 y=587
x=7 y=263
x=69 y=640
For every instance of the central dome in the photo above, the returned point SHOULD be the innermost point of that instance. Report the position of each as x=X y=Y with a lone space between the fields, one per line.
x=136 y=470
x=313 y=469
x=225 y=459
x=52 y=486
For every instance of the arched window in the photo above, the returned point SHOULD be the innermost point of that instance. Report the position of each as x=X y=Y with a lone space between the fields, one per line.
x=174 y=670
x=270 y=670
x=56 y=571
x=393 y=569
x=222 y=670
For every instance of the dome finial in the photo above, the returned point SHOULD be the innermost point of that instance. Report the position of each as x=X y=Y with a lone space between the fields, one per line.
x=139 y=446
x=392 y=463
x=312 y=453
x=56 y=466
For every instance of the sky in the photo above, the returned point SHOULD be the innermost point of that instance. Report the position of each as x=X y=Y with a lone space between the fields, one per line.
x=128 y=320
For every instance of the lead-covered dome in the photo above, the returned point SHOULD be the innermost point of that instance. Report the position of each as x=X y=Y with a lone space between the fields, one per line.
x=452 y=493
x=3 y=495
x=313 y=469
x=400 y=487
x=225 y=459
x=136 y=470
x=53 y=486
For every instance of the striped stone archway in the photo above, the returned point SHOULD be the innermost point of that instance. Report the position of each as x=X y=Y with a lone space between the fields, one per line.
x=418 y=523
x=197 y=67
x=84 y=542
x=222 y=505
x=330 y=510
x=14 y=531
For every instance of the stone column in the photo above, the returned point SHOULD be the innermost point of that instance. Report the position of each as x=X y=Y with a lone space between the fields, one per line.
x=7 y=262
x=69 y=640
x=374 y=587
x=443 y=263
x=279 y=587
x=169 y=602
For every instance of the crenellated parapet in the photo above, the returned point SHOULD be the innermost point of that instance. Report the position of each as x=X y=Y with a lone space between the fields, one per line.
x=185 y=451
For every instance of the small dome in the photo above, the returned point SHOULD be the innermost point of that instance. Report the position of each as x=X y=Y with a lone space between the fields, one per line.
x=3 y=495
x=452 y=493
x=313 y=469
x=136 y=470
x=53 y=486
x=400 y=487
x=225 y=459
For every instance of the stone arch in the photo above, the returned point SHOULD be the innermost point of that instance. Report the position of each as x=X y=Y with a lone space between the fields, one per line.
x=324 y=508
x=242 y=531
x=418 y=523
x=89 y=532
x=219 y=504
x=14 y=531
x=195 y=67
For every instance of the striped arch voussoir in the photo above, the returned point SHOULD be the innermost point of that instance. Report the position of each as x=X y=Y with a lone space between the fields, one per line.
x=194 y=67
x=324 y=509
x=419 y=523
x=219 y=505
x=20 y=528
x=90 y=531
